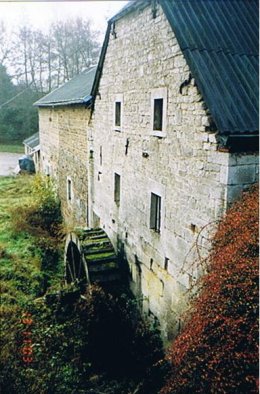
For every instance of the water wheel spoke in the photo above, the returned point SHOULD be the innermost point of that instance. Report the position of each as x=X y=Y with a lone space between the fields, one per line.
x=70 y=272
x=79 y=270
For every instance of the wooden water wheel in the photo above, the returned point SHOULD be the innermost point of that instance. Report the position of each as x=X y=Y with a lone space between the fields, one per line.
x=90 y=258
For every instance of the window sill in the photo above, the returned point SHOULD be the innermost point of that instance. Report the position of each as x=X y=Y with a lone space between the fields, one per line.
x=160 y=134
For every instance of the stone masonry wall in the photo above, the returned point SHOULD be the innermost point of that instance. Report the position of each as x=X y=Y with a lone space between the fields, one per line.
x=183 y=167
x=49 y=140
x=64 y=142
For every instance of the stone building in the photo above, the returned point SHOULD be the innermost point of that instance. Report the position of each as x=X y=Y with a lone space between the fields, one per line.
x=63 y=122
x=171 y=141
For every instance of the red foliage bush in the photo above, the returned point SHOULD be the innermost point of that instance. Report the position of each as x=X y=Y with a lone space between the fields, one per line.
x=217 y=352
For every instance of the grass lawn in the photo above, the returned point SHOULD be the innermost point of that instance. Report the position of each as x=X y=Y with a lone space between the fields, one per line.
x=11 y=148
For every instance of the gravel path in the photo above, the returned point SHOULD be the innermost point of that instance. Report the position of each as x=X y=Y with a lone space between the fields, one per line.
x=8 y=162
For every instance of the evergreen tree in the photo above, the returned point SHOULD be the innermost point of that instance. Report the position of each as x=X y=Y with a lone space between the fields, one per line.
x=18 y=117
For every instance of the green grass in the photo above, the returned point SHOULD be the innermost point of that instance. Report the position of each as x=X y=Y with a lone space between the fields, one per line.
x=15 y=148
x=19 y=257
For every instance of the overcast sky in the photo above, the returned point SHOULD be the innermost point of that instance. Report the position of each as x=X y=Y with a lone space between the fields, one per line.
x=42 y=13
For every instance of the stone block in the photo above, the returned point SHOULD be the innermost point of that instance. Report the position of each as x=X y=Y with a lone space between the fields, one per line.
x=224 y=174
x=234 y=193
x=241 y=175
x=179 y=61
x=212 y=138
x=246 y=159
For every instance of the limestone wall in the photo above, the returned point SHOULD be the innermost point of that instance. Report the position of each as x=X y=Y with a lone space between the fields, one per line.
x=63 y=133
x=49 y=139
x=183 y=166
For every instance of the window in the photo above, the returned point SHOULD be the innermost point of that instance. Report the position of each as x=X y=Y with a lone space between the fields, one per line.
x=155 y=212
x=158 y=114
x=69 y=189
x=117 y=189
x=158 y=109
x=118 y=112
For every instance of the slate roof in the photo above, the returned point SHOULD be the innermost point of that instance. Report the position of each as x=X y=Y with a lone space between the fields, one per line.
x=75 y=91
x=32 y=141
x=219 y=39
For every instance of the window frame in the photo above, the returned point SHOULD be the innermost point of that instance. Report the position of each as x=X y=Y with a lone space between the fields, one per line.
x=118 y=100
x=159 y=94
x=155 y=212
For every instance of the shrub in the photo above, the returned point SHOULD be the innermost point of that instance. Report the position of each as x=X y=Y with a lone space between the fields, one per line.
x=217 y=351
x=41 y=219
x=79 y=345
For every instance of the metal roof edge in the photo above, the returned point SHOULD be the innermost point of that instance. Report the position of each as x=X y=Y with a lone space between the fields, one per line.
x=38 y=103
x=195 y=74
x=129 y=7
x=100 y=63
x=85 y=100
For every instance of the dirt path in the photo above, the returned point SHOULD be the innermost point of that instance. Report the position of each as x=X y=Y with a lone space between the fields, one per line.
x=8 y=162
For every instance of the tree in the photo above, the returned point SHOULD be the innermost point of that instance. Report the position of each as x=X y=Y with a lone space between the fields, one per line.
x=18 y=118
x=5 y=44
x=76 y=47
x=217 y=352
x=39 y=62
x=7 y=90
x=46 y=60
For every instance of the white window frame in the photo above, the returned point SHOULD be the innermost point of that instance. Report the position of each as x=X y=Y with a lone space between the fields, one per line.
x=118 y=99
x=159 y=93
